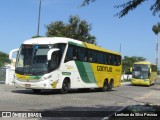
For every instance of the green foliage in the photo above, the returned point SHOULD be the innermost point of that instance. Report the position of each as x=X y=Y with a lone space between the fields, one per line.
x=4 y=58
x=56 y=29
x=127 y=62
x=130 y=5
x=156 y=28
x=86 y=2
x=76 y=29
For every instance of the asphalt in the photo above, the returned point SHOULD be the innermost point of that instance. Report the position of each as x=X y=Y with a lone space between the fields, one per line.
x=153 y=97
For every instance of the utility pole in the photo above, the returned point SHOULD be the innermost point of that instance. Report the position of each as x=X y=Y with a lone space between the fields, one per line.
x=39 y=16
x=120 y=48
x=157 y=49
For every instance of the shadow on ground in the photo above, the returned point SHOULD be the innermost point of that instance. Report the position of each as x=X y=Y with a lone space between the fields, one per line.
x=134 y=112
x=78 y=113
x=54 y=92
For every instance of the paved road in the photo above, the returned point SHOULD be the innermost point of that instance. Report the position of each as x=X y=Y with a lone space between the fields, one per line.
x=16 y=99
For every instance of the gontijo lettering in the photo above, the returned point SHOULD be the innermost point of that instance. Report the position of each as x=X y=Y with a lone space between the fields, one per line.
x=104 y=68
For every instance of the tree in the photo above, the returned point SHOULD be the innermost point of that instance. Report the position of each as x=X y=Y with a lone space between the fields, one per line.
x=156 y=30
x=127 y=62
x=76 y=29
x=4 y=58
x=131 y=5
x=86 y=2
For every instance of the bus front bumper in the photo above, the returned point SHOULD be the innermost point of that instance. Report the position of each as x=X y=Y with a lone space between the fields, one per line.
x=35 y=85
x=141 y=82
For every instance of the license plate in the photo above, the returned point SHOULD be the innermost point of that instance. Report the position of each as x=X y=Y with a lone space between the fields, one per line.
x=27 y=85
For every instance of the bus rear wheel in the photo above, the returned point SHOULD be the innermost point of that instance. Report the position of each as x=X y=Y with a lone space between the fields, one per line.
x=107 y=86
x=110 y=86
x=104 y=88
x=65 y=87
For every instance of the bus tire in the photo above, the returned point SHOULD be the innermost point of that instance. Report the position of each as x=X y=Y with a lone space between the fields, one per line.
x=36 y=90
x=104 y=88
x=110 y=85
x=65 y=86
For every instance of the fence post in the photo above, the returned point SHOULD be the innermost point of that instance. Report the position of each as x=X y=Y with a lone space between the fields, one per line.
x=9 y=75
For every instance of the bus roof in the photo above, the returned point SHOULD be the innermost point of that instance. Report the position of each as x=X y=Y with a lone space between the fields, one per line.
x=49 y=40
x=144 y=62
x=53 y=40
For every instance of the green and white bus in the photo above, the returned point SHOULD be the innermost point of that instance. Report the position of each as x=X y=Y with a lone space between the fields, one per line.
x=64 y=64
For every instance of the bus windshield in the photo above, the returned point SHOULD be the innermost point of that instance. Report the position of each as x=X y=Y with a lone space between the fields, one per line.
x=32 y=59
x=140 y=71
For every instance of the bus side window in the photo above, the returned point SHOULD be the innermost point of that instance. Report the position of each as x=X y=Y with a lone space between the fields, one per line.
x=54 y=62
x=69 y=54
x=89 y=55
x=109 y=59
x=118 y=60
x=100 y=58
x=94 y=56
x=85 y=55
x=75 y=52
x=61 y=46
x=81 y=54
x=114 y=62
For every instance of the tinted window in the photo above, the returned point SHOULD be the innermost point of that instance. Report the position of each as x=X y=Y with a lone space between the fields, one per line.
x=100 y=58
x=89 y=55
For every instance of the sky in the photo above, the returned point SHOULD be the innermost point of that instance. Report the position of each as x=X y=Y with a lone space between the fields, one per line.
x=19 y=22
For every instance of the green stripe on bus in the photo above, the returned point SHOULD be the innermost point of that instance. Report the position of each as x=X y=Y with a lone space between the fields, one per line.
x=72 y=43
x=89 y=72
x=85 y=72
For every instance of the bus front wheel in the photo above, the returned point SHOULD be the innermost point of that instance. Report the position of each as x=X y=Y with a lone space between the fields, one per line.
x=65 y=87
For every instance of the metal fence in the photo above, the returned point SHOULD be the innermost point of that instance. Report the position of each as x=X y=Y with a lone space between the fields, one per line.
x=2 y=75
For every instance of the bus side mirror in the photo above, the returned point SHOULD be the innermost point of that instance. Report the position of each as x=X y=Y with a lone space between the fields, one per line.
x=131 y=69
x=49 y=54
x=11 y=53
x=12 y=56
